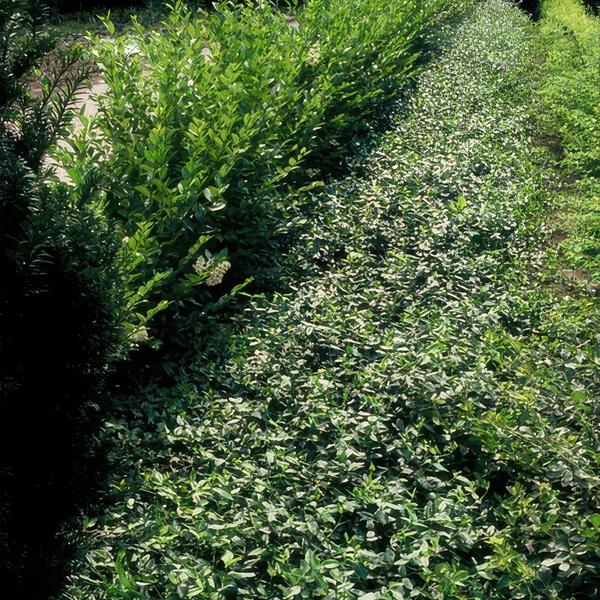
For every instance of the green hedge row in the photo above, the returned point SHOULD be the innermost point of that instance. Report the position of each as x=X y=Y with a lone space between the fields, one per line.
x=416 y=417
x=172 y=182
x=206 y=116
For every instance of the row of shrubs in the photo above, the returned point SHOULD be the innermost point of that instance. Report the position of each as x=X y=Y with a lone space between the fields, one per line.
x=207 y=116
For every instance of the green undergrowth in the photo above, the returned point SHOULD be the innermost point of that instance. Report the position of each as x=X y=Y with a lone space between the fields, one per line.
x=570 y=97
x=416 y=418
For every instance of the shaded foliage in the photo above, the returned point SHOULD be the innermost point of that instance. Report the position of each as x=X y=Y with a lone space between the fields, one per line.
x=70 y=6
x=533 y=7
x=58 y=304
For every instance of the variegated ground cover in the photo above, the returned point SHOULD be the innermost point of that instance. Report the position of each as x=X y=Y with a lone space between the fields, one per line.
x=416 y=418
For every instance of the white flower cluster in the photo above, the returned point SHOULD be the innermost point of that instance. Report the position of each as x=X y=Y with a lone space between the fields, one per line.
x=216 y=277
x=217 y=273
x=140 y=335
x=314 y=54
x=200 y=264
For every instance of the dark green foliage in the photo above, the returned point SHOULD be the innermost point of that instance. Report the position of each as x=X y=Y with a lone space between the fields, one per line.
x=59 y=304
x=593 y=6
x=532 y=7
x=71 y=6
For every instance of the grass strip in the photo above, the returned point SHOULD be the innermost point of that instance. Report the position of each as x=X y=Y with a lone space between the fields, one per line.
x=570 y=97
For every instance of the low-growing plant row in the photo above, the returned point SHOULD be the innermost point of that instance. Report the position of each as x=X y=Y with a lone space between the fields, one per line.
x=417 y=415
x=571 y=111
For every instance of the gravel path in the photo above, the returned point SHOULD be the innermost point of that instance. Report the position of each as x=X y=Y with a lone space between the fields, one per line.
x=86 y=98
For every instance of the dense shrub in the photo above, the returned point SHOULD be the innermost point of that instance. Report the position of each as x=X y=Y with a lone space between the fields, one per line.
x=205 y=117
x=58 y=299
